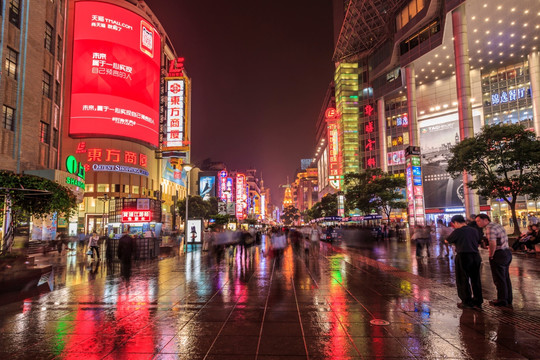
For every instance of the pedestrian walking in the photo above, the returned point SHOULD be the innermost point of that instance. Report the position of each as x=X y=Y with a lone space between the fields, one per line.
x=126 y=248
x=93 y=245
x=468 y=261
x=500 y=258
x=422 y=236
x=314 y=237
x=443 y=232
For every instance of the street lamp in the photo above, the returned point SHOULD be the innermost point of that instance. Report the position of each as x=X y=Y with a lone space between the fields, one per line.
x=187 y=168
x=105 y=198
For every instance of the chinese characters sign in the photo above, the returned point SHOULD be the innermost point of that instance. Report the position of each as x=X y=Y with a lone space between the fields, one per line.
x=136 y=216
x=241 y=196
x=334 y=158
x=116 y=74
x=176 y=100
x=506 y=96
x=415 y=191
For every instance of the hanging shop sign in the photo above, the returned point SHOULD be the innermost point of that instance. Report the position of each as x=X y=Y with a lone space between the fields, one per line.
x=176 y=110
x=333 y=146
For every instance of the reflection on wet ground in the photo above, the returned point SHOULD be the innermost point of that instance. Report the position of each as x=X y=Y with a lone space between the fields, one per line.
x=317 y=306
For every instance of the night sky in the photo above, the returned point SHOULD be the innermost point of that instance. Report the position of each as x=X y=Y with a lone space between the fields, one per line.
x=260 y=70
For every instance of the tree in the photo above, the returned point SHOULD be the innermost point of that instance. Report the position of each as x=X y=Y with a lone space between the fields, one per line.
x=504 y=163
x=326 y=207
x=374 y=190
x=198 y=208
x=290 y=215
x=388 y=195
x=360 y=192
x=29 y=195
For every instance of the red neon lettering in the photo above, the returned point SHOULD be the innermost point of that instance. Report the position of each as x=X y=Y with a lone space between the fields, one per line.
x=369 y=144
x=369 y=127
x=81 y=147
x=174 y=100
x=113 y=155
x=130 y=157
x=142 y=160
x=368 y=110
x=371 y=162
x=94 y=155
x=175 y=122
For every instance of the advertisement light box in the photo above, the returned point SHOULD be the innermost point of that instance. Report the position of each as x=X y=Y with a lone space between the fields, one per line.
x=115 y=75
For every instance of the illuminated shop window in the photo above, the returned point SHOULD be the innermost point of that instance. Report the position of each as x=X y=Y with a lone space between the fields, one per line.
x=89 y=187
x=103 y=188
x=135 y=189
x=408 y=12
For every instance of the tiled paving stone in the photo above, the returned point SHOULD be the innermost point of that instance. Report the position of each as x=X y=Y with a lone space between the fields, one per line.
x=190 y=307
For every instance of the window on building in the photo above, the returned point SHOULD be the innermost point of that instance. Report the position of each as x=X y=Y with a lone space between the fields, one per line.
x=55 y=139
x=59 y=51
x=8 y=117
x=408 y=12
x=14 y=12
x=46 y=86
x=57 y=93
x=11 y=63
x=48 y=40
x=103 y=187
x=44 y=133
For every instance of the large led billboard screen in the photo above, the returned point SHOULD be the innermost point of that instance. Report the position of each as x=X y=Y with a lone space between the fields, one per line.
x=115 y=74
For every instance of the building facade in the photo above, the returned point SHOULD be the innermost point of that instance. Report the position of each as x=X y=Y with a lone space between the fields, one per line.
x=85 y=104
x=430 y=74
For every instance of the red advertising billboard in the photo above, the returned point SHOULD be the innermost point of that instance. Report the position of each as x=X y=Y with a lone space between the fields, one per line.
x=115 y=74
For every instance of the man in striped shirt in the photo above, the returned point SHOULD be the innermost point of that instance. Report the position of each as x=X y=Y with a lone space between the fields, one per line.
x=500 y=258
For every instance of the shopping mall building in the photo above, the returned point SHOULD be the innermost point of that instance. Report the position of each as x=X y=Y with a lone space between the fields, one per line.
x=414 y=77
x=95 y=98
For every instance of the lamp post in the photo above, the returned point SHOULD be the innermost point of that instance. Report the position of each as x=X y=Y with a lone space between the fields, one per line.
x=188 y=168
x=105 y=198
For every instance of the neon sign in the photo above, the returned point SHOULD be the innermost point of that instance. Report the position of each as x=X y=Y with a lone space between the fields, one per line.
x=115 y=80
x=241 y=196
x=333 y=158
x=223 y=185
x=415 y=191
x=176 y=99
x=368 y=110
x=506 y=96
x=136 y=216
x=77 y=169
x=331 y=113
x=176 y=67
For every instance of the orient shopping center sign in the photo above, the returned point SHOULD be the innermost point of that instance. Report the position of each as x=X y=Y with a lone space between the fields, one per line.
x=113 y=160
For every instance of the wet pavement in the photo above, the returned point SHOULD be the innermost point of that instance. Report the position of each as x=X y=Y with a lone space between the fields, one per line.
x=374 y=300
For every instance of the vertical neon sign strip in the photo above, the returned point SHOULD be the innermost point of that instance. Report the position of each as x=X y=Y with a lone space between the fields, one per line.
x=223 y=185
x=176 y=100
x=415 y=191
x=333 y=160
x=240 y=195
